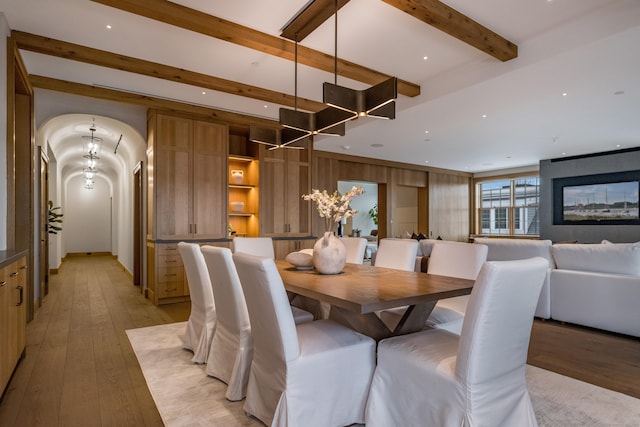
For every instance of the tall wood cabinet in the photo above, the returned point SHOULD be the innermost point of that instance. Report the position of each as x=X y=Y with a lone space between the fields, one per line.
x=13 y=317
x=187 y=196
x=189 y=181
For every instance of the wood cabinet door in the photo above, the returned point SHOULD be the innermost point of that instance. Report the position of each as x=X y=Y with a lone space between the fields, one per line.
x=273 y=190
x=210 y=180
x=172 y=182
x=20 y=306
x=298 y=183
x=5 y=371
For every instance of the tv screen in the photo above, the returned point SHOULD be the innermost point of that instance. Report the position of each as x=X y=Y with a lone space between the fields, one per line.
x=610 y=199
x=595 y=202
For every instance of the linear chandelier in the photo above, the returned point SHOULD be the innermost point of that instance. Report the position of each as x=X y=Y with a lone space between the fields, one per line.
x=279 y=138
x=343 y=105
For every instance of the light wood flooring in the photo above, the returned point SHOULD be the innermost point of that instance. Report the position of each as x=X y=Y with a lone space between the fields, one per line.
x=80 y=370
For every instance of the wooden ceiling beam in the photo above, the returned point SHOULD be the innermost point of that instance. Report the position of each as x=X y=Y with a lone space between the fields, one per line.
x=310 y=17
x=148 y=101
x=200 y=22
x=48 y=46
x=454 y=23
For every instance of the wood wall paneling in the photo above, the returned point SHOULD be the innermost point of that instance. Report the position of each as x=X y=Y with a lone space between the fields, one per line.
x=449 y=207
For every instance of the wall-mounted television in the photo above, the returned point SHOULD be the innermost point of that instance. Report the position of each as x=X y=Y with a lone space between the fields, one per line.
x=610 y=199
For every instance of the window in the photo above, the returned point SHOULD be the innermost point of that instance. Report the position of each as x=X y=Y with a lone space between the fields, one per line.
x=509 y=206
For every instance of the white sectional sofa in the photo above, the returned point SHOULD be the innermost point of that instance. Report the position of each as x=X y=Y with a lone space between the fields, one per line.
x=597 y=285
x=512 y=249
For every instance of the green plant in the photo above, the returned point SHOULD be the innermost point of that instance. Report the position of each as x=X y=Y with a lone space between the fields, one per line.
x=53 y=219
x=373 y=213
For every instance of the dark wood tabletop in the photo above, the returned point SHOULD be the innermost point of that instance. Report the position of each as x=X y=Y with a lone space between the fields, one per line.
x=365 y=289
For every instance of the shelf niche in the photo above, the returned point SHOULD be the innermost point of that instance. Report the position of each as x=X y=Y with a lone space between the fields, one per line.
x=243 y=156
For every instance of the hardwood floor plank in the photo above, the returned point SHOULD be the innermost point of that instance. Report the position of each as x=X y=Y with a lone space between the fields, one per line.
x=80 y=399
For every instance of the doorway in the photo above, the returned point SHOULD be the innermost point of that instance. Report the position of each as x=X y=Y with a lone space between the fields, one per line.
x=44 y=228
x=137 y=225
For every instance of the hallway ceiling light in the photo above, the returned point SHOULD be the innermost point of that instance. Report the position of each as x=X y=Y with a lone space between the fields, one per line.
x=92 y=147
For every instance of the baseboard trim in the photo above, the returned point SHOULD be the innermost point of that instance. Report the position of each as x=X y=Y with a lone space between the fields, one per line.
x=84 y=254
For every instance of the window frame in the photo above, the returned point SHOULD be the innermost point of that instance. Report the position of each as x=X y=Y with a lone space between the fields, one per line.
x=511 y=208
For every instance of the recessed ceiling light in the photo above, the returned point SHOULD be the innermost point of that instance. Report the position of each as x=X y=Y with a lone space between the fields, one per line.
x=426 y=161
x=266 y=106
x=484 y=116
x=618 y=145
x=426 y=131
x=377 y=145
x=108 y=27
x=204 y=93
x=425 y=58
x=564 y=93
x=346 y=147
x=564 y=154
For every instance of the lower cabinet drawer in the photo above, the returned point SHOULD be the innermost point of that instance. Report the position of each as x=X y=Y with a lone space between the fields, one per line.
x=170 y=289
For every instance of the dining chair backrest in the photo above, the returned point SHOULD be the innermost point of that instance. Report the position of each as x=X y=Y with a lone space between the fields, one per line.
x=232 y=310
x=258 y=246
x=197 y=275
x=355 y=249
x=457 y=259
x=497 y=325
x=202 y=318
x=272 y=325
x=399 y=254
x=231 y=349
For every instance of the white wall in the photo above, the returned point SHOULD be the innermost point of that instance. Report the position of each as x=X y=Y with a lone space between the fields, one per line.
x=362 y=204
x=87 y=217
x=4 y=33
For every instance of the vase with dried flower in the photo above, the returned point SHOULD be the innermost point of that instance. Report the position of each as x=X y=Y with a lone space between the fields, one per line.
x=329 y=253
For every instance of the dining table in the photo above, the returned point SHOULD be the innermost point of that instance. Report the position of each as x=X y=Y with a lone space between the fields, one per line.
x=359 y=291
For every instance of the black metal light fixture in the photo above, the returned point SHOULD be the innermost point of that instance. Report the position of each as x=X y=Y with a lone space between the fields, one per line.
x=329 y=121
x=377 y=101
x=279 y=138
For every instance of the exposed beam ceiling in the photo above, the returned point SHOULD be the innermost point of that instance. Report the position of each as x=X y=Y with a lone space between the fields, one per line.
x=454 y=23
x=194 y=20
x=310 y=17
x=48 y=46
x=146 y=101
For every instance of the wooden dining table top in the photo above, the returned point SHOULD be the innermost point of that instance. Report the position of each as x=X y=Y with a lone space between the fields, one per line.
x=366 y=289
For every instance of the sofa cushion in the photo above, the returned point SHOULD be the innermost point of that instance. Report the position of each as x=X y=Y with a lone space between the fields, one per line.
x=616 y=258
x=513 y=249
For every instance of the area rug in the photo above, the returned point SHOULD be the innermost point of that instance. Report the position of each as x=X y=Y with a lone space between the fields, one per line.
x=186 y=396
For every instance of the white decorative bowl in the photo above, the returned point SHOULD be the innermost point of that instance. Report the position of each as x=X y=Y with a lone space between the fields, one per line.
x=300 y=260
x=237 y=206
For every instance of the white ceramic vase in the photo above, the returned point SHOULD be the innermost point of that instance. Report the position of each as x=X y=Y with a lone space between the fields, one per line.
x=329 y=254
x=237 y=176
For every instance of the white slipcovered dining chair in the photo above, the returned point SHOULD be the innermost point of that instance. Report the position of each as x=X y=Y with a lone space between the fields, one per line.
x=313 y=374
x=437 y=378
x=232 y=346
x=399 y=254
x=258 y=246
x=355 y=249
x=202 y=319
x=454 y=259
